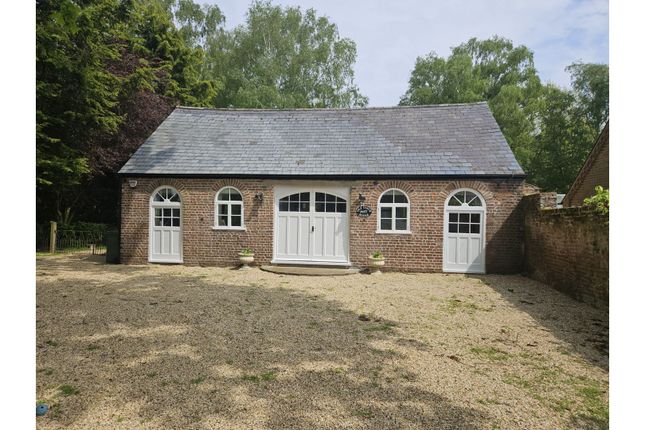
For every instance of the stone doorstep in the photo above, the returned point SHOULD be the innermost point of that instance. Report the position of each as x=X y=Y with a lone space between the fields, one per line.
x=311 y=270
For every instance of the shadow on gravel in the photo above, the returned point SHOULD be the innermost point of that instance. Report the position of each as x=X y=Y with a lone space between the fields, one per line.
x=584 y=328
x=191 y=354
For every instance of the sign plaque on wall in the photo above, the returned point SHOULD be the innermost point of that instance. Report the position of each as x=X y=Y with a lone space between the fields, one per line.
x=363 y=211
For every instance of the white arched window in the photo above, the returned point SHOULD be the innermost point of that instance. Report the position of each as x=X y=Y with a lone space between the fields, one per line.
x=229 y=209
x=393 y=212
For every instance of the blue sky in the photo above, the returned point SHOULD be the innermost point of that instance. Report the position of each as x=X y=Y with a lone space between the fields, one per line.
x=390 y=35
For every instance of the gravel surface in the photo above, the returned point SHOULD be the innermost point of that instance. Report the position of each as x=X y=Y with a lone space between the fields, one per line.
x=192 y=347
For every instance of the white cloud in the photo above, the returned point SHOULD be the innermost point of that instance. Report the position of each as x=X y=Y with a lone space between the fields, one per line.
x=391 y=34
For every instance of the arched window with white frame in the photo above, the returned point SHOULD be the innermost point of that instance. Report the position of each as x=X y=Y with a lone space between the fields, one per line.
x=229 y=209
x=393 y=212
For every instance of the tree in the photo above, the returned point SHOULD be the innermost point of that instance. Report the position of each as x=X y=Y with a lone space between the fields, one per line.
x=591 y=84
x=108 y=72
x=284 y=58
x=550 y=129
x=492 y=70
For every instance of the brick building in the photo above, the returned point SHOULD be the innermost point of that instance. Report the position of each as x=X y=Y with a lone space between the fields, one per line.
x=435 y=188
x=594 y=172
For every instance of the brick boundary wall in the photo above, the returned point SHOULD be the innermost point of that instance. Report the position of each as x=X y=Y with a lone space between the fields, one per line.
x=567 y=248
x=421 y=251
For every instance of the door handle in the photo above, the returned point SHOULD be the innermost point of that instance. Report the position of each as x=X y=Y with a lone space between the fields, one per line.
x=312 y=228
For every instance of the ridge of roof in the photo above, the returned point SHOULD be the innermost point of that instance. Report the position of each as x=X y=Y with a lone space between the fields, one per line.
x=367 y=108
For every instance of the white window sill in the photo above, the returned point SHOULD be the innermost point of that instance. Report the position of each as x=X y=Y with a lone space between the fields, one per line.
x=229 y=228
x=393 y=232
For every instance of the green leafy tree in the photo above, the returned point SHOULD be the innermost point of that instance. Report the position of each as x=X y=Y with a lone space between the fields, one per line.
x=550 y=130
x=284 y=58
x=591 y=84
x=492 y=70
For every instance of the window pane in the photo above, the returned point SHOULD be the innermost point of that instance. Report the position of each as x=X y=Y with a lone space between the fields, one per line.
x=304 y=197
x=284 y=206
x=175 y=198
x=157 y=212
x=175 y=222
x=166 y=222
x=386 y=212
x=452 y=217
x=330 y=198
x=320 y=207
x=452 y=228
x=157 y=221
x=386 y=224
x=463 y=228
x=330 y=207
x=166 y=212
x=236 y=209
x=474 y=218
x=476 y=202
x=175 y=212
x=399 y=197
x=293 y=206
x=464 y=217
x=401 y=212
x=223 y=209
x=235 y=195
x=388 y=197
x=320 y=197
x=474 y=228
x=159 y=197
x=222 y=221
x=304 y=206
x=236 y=221
x=341 y=207
x=224 y=194
x=468 y=196
x=339 y=200
x=454 y=201
x=401 y=224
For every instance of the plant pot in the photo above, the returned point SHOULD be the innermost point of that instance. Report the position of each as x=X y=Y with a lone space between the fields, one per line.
x=376 y=264
x=246 y=259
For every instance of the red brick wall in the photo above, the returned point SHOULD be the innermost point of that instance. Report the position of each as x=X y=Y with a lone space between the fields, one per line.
x=568 y=249
x=594 y=172
x=420 y=251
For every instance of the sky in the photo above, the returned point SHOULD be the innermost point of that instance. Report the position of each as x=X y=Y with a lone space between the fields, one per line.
x=390 y=35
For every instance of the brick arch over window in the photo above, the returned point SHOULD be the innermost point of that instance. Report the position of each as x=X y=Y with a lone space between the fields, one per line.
x=381 y=187
x=480 y=187
x=153 y=185
x=222 y=183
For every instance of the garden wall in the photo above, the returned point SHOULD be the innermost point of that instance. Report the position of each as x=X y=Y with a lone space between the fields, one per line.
x=567 y=248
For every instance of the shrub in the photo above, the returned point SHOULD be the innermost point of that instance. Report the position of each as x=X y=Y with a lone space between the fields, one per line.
x=246 y=251
x=377 y=254
x=600 y=201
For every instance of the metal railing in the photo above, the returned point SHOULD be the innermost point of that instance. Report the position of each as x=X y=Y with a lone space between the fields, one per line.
x=63 y=240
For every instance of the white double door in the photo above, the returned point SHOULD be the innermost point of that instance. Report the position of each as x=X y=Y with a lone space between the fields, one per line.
x=311 y=225
x=463 y=241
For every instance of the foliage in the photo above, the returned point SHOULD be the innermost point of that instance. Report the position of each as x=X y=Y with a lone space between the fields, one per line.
x=108 y=72
x=550 y=130
x=284 y=58
x=246 y=252
x=599 y=201
x=377 y=255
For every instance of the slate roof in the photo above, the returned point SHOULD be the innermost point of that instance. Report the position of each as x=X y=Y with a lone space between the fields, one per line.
x=457 y=140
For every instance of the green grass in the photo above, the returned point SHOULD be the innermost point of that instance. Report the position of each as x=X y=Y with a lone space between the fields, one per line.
x=151 y=374
x=47 y=371
x=68 y=390
x=364 y=413
x=490 y=353
x=52 y=343
x=119 y=419
x=267 y=376
x=197 y=380
x=92 y=347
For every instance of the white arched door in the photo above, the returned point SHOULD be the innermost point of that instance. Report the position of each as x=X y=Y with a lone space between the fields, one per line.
x=464 y=238
x=311 y=225
x=165 y=226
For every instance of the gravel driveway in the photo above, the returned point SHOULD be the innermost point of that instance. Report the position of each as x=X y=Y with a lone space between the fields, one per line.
x=191 y=347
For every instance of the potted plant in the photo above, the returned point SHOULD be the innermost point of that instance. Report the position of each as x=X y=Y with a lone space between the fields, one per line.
x=246 y=258
x=377 y=260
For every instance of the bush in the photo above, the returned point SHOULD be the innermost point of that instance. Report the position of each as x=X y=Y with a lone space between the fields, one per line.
x=599 y=202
